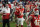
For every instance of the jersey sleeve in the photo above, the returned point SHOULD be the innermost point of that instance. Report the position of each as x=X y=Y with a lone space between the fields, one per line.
x=31 y=16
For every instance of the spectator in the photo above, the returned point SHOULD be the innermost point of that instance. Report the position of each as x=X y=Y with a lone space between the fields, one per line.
x=9 y=4
x=0 y=6
x=6 y=15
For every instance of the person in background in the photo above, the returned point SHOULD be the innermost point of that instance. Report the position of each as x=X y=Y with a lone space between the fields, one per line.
x=1 y=5
x=34 y=18
x=5 y=15
x=11 y=9
x=9 y=4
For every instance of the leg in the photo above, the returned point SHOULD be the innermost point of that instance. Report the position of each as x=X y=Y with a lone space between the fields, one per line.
x=17 y=23
x=8 y=23
x=29 y=25
x=21 y=25
x=11 y=14
x=4 y=23
x=21 y=22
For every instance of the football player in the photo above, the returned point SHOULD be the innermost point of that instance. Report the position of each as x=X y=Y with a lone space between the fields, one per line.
x=34 y=18
x=19 y=16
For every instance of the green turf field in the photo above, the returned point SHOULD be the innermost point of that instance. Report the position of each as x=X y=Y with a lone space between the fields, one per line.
x=13 y=24
x=0 y=17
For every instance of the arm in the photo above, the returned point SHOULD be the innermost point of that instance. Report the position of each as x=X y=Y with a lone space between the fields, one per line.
x=30 y=12
x=15 y=15
x=1 y=12
x=15 y=18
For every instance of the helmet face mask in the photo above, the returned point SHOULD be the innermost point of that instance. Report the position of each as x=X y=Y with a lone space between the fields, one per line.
x=37 y=12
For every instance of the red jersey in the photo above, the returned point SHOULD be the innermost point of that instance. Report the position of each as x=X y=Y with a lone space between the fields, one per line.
x=19 y=11
x=6 y=13
x=28 y=8
x=36 y=9
x=7 y=16
x=9 y=5
x=35 y=22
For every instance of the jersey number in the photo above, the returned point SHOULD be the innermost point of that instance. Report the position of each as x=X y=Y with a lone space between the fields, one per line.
x=37 y=22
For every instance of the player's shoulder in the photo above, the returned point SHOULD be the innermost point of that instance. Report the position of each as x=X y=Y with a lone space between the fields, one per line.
x=17 y=8
x=32 y=15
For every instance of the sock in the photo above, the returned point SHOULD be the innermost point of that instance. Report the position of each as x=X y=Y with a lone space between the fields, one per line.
x=21 y=25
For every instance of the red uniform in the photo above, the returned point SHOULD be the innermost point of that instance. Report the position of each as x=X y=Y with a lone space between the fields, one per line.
x=9 y=5
x=28 y=8
x=21 y=10
x=17 y=13
x=35 y=22
x=6 y=13
x=36 y=9
x=7 y=16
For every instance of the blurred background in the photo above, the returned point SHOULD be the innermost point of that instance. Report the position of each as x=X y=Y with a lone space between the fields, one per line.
x=16 y=4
